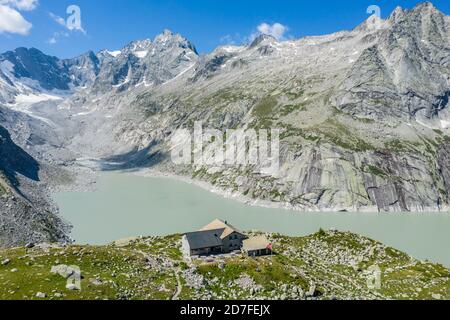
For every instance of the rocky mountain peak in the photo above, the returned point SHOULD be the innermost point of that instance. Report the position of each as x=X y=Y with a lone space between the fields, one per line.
x=167 y=33
x=103 y=53
x=396 y=15
x=372 y=23
x=424 y=12
x=424 y=22
x=89 y=55
x=138 y=45
x=48 y=72
x=169 y=39
x=262 y=38
x=83 y=69
x=425 y=7
x=145 y=63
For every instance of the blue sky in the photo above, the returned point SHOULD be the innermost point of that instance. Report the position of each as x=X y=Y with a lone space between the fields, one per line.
x=110 y=24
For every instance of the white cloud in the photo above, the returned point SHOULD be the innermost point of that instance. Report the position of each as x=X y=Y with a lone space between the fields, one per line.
x=59 y=20
x=276 y=30
x=12 y=21
x=228 y=39
x=56 y=36
x=25 y=5
x=231 y=39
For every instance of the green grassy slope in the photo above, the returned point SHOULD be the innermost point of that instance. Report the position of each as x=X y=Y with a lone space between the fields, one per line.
x=326 y=265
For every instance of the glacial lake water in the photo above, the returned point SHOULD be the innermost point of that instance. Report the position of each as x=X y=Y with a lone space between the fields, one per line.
x=127 y=205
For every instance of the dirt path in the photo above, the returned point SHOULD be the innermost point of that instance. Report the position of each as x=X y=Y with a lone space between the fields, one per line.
x=179 y=286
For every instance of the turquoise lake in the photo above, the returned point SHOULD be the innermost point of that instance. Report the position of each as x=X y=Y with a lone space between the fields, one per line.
x=127 y=205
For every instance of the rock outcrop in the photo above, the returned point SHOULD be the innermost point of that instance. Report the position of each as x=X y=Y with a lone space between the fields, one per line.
x=26 y=213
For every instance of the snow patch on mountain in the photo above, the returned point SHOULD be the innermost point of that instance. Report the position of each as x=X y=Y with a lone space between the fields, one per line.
x=141 y=54
x=35 y=98
x=115 y=53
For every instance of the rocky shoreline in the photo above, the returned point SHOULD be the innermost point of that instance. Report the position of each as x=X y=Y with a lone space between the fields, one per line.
x=236 y=196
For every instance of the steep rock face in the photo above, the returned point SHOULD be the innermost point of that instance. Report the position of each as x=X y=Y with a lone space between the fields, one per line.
x=26 y=215
x=13 y=160
x=444 y=164
x=210 y=65
x=406 y=74
x=7 y=89
x=84 y=69
x=356 y=111
x=44 y=140
x=328 y=178
x=33 y=64
x=146 y=63
x=369 y=89
x=28 y=75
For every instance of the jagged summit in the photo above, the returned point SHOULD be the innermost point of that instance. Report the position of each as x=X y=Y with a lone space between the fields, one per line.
x=167 y=40
x=396 y=15
x=262 y=38
x=166 y=35
x=48 y=72
x=424 y=9
x=171 y=39
x=140 y=48
x=139 y=44
x=87 y=68
x=373 y=23
x=425 y=6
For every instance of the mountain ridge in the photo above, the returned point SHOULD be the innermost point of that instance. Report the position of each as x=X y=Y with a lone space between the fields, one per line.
x=364 y=114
